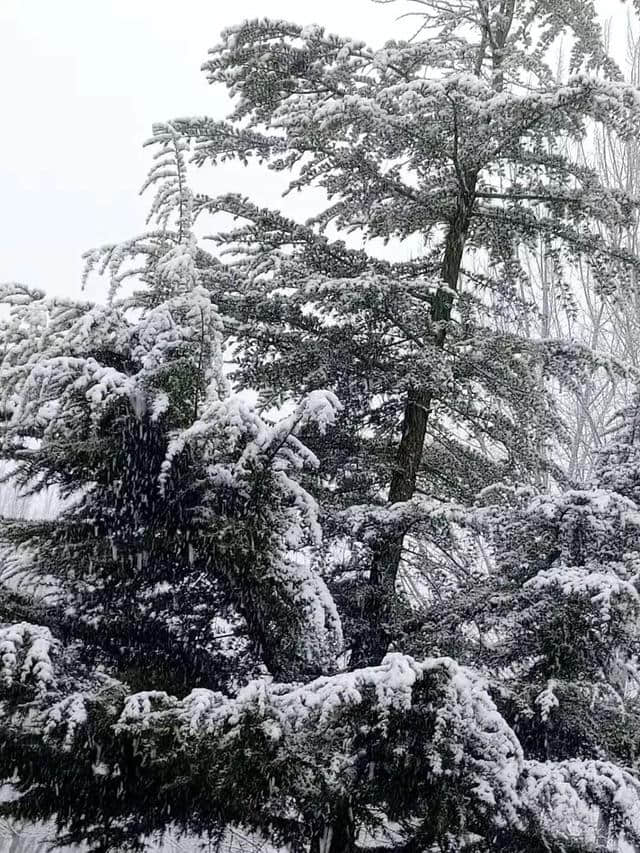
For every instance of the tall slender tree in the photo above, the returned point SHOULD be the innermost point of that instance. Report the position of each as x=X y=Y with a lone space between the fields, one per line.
x=456 y=137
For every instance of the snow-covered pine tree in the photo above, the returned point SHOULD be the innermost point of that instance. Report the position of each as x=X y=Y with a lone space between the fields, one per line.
x=112 y=404
x=180 y=557
x=552 y=619
x=414 y=752
x=453 y=141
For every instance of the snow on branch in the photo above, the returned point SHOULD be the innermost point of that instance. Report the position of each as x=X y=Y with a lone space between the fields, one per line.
x=373 y=523
x=471 y=743
x=566 y=790
x=467 y=745
x=26 y=656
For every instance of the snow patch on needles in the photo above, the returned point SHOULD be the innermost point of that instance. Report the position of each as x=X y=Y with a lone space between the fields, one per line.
x=25 y=655
x=567 y=789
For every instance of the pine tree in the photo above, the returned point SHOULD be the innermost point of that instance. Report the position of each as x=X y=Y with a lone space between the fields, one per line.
x=554 y=623
x=180 y=489
x=457 y=139
x=180 y=556
x=191 y=515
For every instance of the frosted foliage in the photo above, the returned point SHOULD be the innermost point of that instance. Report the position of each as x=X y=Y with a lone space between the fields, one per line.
x=44 y=376
x=60 y=351
x=25 y=655
x=597 y=532
x=140 y=708
x=618 y=465
x=226 y=424
x=237 y=445
x=567 y=790
x=168 y=176
x=470 y=737
x=470 y=740
x=547 y=700
x=63 y=720
x=185 y=324
x=230 y=425
x=178 y=267
x=369 y=523
x=603 y=588
x=321 y=637
x=319 y=408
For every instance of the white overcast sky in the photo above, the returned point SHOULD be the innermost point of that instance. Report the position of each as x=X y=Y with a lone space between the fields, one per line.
x=81 y=83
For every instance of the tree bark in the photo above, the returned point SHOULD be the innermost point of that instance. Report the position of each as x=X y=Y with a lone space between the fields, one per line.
x=338 y=835
x=370 y=647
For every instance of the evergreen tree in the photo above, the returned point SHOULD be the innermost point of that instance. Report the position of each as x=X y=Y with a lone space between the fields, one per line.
x=554 y=624
x=180 y=489
x=180 y=557
x=163 y=672
x=456 y=139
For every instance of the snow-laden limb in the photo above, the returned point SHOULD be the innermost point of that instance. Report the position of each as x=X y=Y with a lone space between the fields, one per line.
x=567 y=790
x=168 y=176
x=278 y=444
x=238 y=449
x=17 y=294
x=595 y=539
x=63 y=353
x=229 y=425
x=391 y=687
x=26 y=656
x=186 y=324
x=330 y=737
x=470 y=738
x=471 y=745
x=604 y=587
x=140 y=709
x=63 y=719
x=318 y=407
x=371 y=522
x=547 y=700
x=321 y=637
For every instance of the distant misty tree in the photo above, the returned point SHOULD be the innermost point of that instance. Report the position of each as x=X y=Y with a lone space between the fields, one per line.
x=187 y=653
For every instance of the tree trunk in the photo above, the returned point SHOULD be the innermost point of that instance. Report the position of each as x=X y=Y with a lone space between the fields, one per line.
x=338 y=835
x=602 y=832
x=370 y=647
